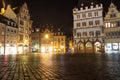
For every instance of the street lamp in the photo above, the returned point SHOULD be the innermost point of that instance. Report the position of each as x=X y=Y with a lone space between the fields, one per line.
x=46 y=36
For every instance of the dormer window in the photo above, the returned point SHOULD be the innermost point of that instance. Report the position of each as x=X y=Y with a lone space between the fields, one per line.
x=112 y=15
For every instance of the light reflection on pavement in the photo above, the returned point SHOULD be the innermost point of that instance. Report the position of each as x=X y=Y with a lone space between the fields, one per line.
x=60 y=67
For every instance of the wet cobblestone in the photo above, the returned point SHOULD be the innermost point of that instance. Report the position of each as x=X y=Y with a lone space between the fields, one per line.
x=60 y=67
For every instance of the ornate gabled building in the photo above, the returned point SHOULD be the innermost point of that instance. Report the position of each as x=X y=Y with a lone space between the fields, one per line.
x=48 y=40
x=9 y=31
x=19 y=16
x=59 y=41
x=24 y=29
x=88 y=29
x=2 y=27
x=112 y=29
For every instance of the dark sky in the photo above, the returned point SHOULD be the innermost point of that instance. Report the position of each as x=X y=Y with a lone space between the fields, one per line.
x=57 y=12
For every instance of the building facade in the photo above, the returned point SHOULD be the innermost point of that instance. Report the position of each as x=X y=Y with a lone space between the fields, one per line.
x=10 y=37
x=24 y=29
x=8 y=32
x=59 y=42
x=88 y=29
x=112 y=30
x=48 y=40
x=47 y=37
x=2 y=26
x=35 y=36
x=19 y=17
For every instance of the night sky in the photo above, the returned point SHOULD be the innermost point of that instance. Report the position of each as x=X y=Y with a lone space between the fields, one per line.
x=57 y=12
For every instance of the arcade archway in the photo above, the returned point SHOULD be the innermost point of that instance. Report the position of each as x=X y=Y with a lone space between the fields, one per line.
x=89 y=47
x=97 y=47
x=81 y=48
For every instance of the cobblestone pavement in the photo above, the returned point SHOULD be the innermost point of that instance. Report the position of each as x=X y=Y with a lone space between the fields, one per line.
x=60 y=67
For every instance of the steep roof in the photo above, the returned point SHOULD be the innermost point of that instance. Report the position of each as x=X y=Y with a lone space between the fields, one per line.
x=9 y=13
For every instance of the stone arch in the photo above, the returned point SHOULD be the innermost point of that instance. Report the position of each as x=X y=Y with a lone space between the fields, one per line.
x=97 y=46
x=89 y=47
x=81 y=47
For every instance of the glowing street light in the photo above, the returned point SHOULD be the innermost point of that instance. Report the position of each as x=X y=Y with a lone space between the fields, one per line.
x=46 y=36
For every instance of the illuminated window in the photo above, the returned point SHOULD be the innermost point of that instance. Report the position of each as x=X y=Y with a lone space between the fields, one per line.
x=115 y=46
x=108 y=24
x=2 y=33
x=112 y=24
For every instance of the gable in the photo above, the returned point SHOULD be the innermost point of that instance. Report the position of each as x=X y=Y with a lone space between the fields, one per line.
x=112 y=12
x=9 y=13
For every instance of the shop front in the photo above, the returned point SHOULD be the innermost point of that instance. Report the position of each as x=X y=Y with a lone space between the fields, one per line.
x=112 y=47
